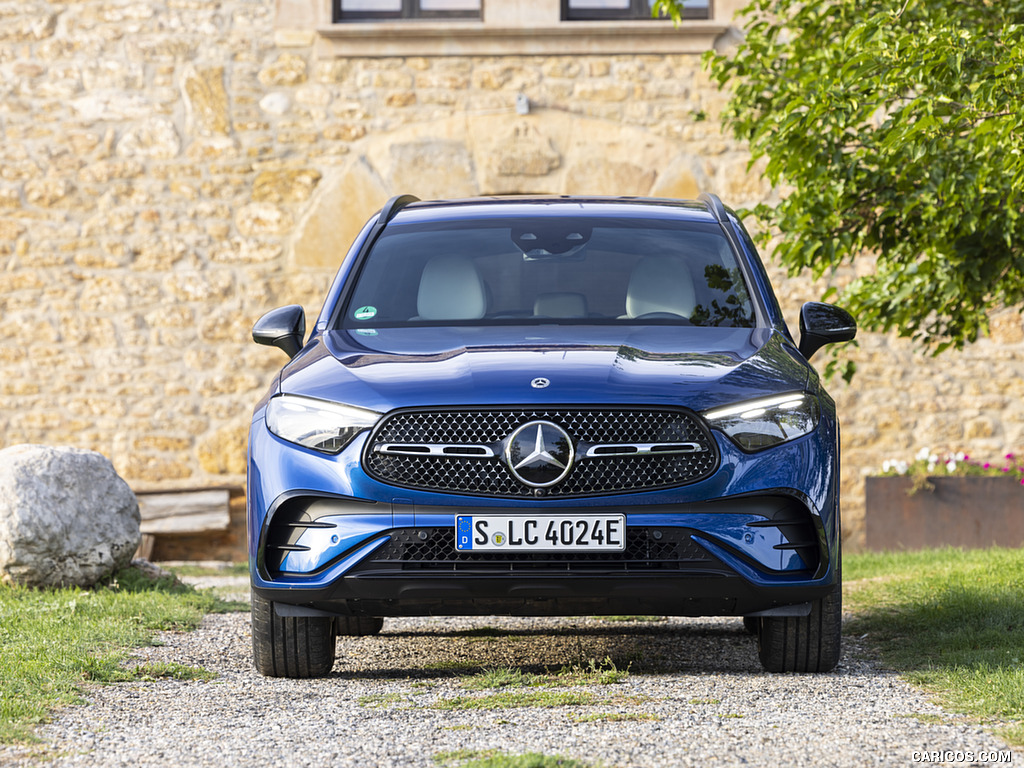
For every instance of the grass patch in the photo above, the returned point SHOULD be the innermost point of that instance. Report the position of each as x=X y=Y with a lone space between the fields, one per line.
x=457 y=756
x=930 y=718
x=594 y=673
x=378 y=700
x=451 y=664
x=494 y=759
x=615 y=717
x=52 y=641
x=517 y=699
x=952 y=621
x=616 y=619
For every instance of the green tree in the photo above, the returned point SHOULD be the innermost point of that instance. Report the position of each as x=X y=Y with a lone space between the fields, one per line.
x=893 y=129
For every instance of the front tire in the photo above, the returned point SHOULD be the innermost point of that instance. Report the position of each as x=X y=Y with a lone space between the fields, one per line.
x=291 y=646
x=803 y=643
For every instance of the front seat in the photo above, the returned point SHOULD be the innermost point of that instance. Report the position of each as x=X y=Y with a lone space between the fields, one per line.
x=451 y=289
x=660 y=284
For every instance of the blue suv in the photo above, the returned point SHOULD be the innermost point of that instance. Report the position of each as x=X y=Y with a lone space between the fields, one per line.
x=541 y=407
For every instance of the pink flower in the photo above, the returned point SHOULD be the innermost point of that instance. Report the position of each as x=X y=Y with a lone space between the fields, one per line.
x=1009 y=456
x=1005 y=469
x=987 y=466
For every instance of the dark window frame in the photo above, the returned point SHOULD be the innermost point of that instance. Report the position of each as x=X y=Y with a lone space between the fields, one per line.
x=638 y=10
x=410 y=11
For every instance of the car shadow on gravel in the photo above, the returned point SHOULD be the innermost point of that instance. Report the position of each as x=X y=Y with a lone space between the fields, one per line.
x=665 y=647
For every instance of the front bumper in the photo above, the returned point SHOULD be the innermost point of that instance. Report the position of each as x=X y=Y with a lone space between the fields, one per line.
x=729 y=557
x=758 y=535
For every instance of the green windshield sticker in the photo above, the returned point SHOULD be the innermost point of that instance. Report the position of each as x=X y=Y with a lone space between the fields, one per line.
x=365 y=313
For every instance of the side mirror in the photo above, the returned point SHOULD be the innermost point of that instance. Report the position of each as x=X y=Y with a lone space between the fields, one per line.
x=822 y=324
x=284 y=328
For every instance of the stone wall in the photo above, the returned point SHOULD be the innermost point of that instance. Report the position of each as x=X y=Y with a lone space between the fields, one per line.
x=169 y=170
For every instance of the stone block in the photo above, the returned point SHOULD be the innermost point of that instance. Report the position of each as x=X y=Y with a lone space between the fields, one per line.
x=206 y=101
x=223 y=452
x=263 y=219
x=344 y=132
x=286 y=185
x=239 y=250
x=48 y=192
x=400 y=98
x=433 y=168
x=156 y=138
x=200 y=286
x=341 y=206
x=287 y=69
x=603 y=91
x=609 y=178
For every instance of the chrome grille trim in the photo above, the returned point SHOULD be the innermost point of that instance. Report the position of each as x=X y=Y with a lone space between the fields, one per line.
x=421 y=449
x=639 y=449
x=645 y=448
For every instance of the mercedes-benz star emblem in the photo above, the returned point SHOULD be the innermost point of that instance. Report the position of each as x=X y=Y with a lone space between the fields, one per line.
x=539 y=454
x=540 y=382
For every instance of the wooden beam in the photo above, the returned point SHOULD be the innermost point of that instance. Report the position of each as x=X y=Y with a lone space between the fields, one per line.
x=184 y=512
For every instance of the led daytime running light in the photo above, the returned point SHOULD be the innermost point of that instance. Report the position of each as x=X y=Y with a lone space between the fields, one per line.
x=754 y=408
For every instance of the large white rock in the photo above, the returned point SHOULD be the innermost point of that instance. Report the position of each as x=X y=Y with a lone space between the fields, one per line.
x=66 y=517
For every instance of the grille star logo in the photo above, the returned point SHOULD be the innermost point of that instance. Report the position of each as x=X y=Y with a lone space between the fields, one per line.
x=539 y=454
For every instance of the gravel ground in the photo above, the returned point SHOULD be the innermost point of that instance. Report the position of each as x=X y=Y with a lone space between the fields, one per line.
x=695 y=696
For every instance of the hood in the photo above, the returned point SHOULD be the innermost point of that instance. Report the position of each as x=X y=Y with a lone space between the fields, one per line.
x=698 y=368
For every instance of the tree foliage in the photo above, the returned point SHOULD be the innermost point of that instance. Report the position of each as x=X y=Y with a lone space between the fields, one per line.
x=894 y=129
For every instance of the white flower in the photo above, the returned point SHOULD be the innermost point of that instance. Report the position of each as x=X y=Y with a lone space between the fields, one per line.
x=960 y=456
x=951 y=466
x=923 y=454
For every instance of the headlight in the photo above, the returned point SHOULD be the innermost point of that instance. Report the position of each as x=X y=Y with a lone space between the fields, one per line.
x=317 y=424
x=768 y=421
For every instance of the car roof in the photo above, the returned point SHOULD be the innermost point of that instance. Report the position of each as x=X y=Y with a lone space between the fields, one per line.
x=551 y=205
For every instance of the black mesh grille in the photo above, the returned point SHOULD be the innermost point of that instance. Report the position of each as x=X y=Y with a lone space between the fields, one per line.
x=433 y=549
x=589 y=476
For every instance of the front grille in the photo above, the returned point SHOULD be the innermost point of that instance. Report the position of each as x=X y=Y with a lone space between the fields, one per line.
x=461 y=451
x=433 y=550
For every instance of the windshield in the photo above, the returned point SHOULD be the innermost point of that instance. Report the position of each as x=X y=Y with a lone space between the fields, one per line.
x=550 y=269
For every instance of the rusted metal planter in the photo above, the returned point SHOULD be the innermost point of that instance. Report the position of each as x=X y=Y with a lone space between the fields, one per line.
x=969 y=512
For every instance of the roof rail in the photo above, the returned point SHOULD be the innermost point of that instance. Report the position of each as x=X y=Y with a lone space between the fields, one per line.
x=393 y=206
x=714 y=205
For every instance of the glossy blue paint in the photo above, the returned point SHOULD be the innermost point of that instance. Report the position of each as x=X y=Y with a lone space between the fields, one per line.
x=698 y=368
x=326 y=544
x=299 y=583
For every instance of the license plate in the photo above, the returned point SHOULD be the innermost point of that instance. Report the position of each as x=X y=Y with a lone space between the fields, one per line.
x=540 y=533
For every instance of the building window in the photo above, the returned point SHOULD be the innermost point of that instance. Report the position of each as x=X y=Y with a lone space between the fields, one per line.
x=386 y=10
x=592 y=10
